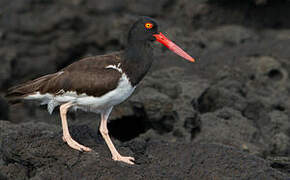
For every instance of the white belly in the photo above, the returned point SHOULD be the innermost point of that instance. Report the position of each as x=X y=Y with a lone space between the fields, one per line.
x=85 y=102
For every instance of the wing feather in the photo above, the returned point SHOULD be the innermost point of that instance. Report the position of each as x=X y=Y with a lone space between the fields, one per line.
x=89 y=75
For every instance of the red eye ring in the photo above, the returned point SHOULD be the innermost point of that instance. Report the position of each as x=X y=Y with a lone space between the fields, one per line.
x=148 y=25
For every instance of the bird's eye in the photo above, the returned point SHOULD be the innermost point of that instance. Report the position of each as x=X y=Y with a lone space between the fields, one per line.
x=148 y=25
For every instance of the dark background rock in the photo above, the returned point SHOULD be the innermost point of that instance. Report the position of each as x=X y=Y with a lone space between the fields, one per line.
x=4 y=109
x=224 y=117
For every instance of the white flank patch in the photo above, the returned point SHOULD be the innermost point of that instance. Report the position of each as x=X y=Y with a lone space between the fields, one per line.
x=85 y=102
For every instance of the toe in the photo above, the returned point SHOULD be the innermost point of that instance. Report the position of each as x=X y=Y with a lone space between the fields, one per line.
x=73 y=144
x=86 y=149
x=128 y=160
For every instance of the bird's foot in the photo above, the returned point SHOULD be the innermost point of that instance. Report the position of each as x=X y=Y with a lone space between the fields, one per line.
x=75 y=145
x=125 y=159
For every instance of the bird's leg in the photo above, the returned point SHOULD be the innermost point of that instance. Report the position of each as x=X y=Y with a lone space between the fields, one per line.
x=105 y=133
x=66 y=135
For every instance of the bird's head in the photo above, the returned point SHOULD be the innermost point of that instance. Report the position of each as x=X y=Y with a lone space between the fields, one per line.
x=146 y=29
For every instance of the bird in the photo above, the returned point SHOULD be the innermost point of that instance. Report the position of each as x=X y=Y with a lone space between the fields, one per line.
x=98 y=83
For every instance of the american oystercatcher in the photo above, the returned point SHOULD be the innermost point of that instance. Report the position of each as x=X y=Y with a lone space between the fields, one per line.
x=98 y=83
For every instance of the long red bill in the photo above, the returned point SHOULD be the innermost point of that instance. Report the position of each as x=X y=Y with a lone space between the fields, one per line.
x=173 y=47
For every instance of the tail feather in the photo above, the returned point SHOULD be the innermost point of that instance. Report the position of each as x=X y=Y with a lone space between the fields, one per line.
x=16 y=93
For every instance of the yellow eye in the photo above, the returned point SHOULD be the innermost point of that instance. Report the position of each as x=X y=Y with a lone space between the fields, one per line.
x=148 y=25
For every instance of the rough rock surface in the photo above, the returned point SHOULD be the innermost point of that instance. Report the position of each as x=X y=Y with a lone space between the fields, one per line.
x=36 y=151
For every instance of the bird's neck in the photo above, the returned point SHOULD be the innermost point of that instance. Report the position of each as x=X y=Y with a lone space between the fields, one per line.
x=138 y=60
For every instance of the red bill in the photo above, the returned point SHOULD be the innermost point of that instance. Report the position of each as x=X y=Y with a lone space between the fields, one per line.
x=172 y=46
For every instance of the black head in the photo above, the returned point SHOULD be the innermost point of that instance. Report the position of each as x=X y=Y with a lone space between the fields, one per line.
x=143 y=30
x=146 y=30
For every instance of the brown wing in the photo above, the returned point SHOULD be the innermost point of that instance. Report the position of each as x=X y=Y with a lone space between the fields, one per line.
x=88 y=75
x=94 y=83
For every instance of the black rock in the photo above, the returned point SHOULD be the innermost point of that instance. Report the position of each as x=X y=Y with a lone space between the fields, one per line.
x=36 y=151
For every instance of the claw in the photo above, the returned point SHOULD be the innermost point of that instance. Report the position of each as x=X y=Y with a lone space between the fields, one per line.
x=63 y=138
x=125 y=159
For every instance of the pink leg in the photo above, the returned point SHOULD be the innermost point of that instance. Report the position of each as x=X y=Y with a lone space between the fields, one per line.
x=66 y=136
x=105 y=133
